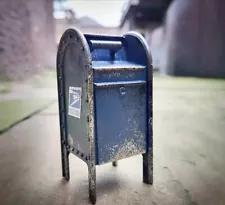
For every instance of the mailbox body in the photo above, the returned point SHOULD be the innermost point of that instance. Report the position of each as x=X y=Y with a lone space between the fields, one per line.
x=105 y=97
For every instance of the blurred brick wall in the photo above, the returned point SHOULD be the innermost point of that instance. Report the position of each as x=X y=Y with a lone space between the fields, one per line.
x=62 y=25
x=27 y=43
x=195 y=38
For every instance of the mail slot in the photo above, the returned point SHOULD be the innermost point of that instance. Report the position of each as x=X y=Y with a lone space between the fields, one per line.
x=105 y=101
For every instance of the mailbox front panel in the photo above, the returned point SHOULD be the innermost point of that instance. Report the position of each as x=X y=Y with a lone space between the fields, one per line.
x=120 y=120
x=121 y=105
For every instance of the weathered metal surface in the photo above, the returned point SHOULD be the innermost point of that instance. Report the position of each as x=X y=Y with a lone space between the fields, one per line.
x=91 y=136
x=120 y=122
x=105 y=101
x=74 y=70
x=118 y=71
x=143 y=57
x=112 y=84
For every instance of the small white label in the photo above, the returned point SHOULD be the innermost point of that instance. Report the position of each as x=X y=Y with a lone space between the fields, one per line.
x=75 y=101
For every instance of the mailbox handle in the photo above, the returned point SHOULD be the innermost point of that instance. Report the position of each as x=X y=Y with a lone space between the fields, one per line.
x=120 y=83
x=103 y=37
x=111 y=45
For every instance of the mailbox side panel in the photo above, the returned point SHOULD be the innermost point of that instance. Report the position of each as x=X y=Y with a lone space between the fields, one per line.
x=138 y=51
x=75 y=65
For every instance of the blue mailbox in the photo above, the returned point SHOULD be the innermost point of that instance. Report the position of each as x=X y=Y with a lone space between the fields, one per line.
x=105 y=101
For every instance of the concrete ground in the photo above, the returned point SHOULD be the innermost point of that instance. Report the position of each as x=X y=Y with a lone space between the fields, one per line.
x=21 y=99
x=189 y=150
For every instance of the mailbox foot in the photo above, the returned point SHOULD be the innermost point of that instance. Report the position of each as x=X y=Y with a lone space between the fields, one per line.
x=65 y=163
x=115 y=163
x=92 y=183
x=148 y=167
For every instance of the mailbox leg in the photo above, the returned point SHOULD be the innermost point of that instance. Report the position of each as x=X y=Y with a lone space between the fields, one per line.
x=65 y=162
x=115 y=163
x=92 y=182
x=148 y=167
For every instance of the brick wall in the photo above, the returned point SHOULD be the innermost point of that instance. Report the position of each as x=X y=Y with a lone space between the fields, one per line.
x=195 y=36
x=62 y=25
x=26 y=37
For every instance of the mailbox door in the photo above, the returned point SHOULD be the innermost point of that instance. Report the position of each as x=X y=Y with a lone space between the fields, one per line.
x=120 y=120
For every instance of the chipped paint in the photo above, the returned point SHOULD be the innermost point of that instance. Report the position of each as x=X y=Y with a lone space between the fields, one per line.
x=70 y=141
x=129 y=149
x=91 y=135
x=113 y=67
x=148 y=166
x=61 y=100
x=70 y=37
x=128 y=83
x=115 y=75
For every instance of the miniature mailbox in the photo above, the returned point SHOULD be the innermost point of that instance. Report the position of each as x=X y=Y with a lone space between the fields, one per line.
x=105 y=101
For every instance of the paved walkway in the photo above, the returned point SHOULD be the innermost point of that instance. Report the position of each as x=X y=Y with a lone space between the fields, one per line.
x=24 y=100
x=189 y=150
x=26 y=91
x=30 y=171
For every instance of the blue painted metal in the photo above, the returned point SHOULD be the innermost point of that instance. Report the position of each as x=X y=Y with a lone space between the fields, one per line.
x=105 y=101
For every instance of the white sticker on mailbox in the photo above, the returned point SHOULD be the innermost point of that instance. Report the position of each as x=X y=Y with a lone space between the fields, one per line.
x=75 y=101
